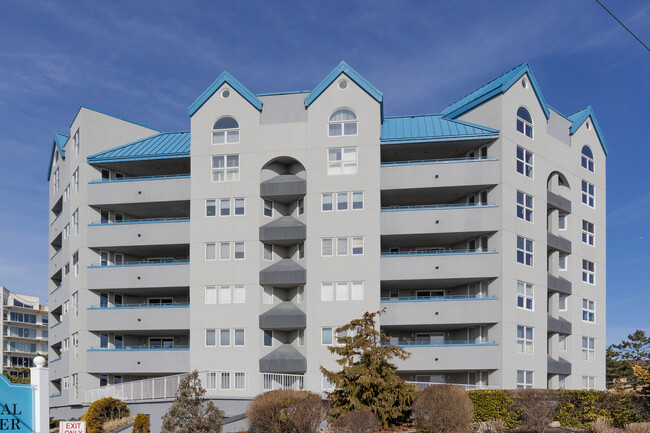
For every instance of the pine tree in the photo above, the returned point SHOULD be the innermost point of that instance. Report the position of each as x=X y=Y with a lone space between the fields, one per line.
x=189 y=413
x=368 y=380
x=621 y=359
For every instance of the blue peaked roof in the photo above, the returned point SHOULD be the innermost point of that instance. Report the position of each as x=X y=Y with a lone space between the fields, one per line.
x=433 y=127
x=579 y=117
x=344 y=68
x=494 y=88
x=225 y=77
x=165 y=145
x=59 y=143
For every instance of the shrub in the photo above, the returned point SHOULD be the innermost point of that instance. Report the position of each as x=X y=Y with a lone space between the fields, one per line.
x=602 y=425
x=443 y=409
x=141 y=424
x=286 y=412
x=357 y=421
x=102 y=410
x=581 y=408
x=638 y=427
x=114 y=424
x=537 y=407
x=491 y=405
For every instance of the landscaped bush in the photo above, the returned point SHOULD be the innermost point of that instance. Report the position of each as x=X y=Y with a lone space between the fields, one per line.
x=103 y=410
x=141 y=424
x=357 y=421
x=494 y=404
x=443 y=409
x=581 y=408
x=286 y=412
x=537 y=407
x=638 y=427
x=114 y=424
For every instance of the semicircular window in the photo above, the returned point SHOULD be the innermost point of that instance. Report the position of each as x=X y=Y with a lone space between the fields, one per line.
x=225 y=130
x=524 y=122
x=342 y=122
x=587 y=158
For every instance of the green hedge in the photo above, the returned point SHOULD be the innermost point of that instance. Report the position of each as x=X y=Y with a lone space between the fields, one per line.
x=576 y=408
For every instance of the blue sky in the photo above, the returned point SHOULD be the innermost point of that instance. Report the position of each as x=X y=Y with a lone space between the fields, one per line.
x=148 y=61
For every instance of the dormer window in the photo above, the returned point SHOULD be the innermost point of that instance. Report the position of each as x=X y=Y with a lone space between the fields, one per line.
x=225 y=130
x=587 y=158
x=524 y=122
x=342 y=122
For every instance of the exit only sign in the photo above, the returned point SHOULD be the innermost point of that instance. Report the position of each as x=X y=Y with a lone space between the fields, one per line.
x=72 y=427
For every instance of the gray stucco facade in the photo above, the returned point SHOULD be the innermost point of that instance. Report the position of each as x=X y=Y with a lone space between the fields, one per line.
x=245 y=255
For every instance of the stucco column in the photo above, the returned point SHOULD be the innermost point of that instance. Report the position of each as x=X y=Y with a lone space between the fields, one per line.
x=40 y=380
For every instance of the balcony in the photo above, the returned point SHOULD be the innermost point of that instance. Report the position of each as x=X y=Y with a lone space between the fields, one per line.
x=558 y=325
x=455 y=172
x=139 y=317
x=284 y=188
x=59 y=331
x=140 y=232
x=168 y=273
x=558 y=366
x=443 y=311
x=284 y=359
x=429 y=264
x=285 y=273
x=558 y=243
x=139 y=190
x=558 y=284
x=60 y=367
x=450 y=356
x=558 y=202
x=447 y=218
x=283 y=231
x=286 y=317
x=139 y=360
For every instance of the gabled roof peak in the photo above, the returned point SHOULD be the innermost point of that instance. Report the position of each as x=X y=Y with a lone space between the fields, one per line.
x=225 y=77
x=58 y=142
x=110 y=115
x=579 y=117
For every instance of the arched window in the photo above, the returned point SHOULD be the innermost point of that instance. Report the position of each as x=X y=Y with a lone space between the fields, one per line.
x=524 y=122
x=587 y=158
x=225 y=130
x=342 y=122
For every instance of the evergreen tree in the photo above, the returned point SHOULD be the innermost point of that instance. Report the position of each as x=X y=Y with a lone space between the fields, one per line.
x=368 y=380
x=189 y=413
x=621 y=359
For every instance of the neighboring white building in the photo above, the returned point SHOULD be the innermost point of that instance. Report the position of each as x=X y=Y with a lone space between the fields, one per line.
x=239 y=247
x=24 y=332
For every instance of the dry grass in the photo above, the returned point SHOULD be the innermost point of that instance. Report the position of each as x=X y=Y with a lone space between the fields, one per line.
x=638 y=427
x=114 y=424
x=602 y=425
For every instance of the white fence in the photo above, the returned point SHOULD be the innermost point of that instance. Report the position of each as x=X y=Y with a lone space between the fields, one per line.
x=227 y=384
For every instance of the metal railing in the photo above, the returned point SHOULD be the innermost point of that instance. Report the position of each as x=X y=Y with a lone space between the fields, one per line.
x=139 y=348
x=435 y=252
x=57 y=252
x=56 y=288
x=128 y=306
x=437 y=298
x=237 y=384
x=56 y=218
x=440 y=161
x=136 y=178
x=438 y=206
x=145 y=263
x=423 y=385
x=409 y=343
x=141 y=221
x=56 y=324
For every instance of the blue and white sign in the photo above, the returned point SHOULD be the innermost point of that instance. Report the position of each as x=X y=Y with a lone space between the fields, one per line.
x=16 y=406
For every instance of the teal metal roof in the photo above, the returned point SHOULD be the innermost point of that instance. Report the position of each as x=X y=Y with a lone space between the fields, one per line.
x=433 y=127
x=344 y=68
x=58 y=143
x=579 y=117
x=225 y=77
x=494 y=88
x=166 y=145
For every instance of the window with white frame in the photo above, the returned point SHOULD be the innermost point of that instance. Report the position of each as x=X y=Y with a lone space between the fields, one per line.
x=224 y=380
x=342 y=122
x=225 y=168
x=588 y=348
x=562 y=221
x=327 y=202
x=75 y=264
x=524 y=339
x=327 y=336
x=66 y=193
x=587 y=158
x=301 y=250
x=588 y=195
x=75 y=180
x=231 y=250
x=342 y=291
x=588 y=236
x=211 y=251
x=268 y=208
x=357 y=200
x=210 y=337
x=524 y=162
x=267 y=295
x=300 y=295
x=76 y=142
x=341 y=201
x=66 y=231
x=224 y=337
x=240 y=380
x=524 y=122
x=588 y=310
x=524 y=379
x=342 y=245
x=327 y=292
x=563 y=304
x=525 y=296
x=238 y=204
x=55 y=180
x=300 y=206
x=524 y=206
x=341 y=161
x=240 y=337
x=225 y=131
x=524 y=251
x=268 y=252
x=301 y=337
x=224 y=207
x=75 y=221
x=210 y=294
x=588 y=382
x=588 y=274
x=327 y=247
x=326 y=383
x=563 y=342
x=268 y=338
x=563 y=261
x=210 y=208
x=357 y=245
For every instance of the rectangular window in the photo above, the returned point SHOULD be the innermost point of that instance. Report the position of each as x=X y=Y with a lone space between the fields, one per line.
x=357 y=246
x=327 y=292
x=224 y=295
x=210 y=337
x=524 y=162
x=210 y=251
x=341 y=160
x=326 y=202
x=327 y=248
x=357 y=291
x=224 y=383
x=341 y=201
x=66 y=193
x=239 y=251
x=524 y=251
x=562 y=302
x=301 y=206
x=588 y=310
x=56 y=180
x=75 y=263
x=224 y=207
x=301 y=250
x=103 y=341
x=268 y=208
x=326 y=336
x=301 y=337
x=342 y=291
x=563 y=262
x=588 y=382
x=588 y=348
x=563 y=342
x=524 y=339
x=588 y=273
x=239 y=206
x=341 y=246
x=240 y=380
x=75 y=221
x=225 y=168
x=524 y=379
x=75 y=180
x=300 y=295
x=268 y=252
x=210 y=295
x=224 y=337
x=588 y=195
x=267 y=296
x=561 y=221
x=588 y=233
x=524 y=206
x=76 y=142
x=224 y=250
x=210 y=208
x=268 y=338
x=239 y=337
x=525 y=295
x=357 y=200
x=239 y=294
